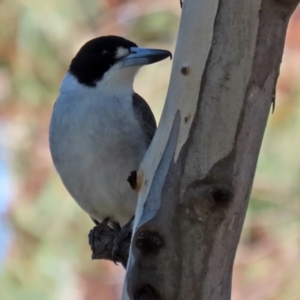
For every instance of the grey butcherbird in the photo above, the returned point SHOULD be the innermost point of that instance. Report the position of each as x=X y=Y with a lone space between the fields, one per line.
x=100 y=128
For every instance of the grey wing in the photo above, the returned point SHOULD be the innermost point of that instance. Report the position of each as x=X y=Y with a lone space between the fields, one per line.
x=145 y=116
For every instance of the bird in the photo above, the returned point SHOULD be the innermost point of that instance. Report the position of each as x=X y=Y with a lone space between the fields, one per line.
x=100 y=129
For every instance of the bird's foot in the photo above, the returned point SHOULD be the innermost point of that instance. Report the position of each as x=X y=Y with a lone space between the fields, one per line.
x=99 y=239
x=123 y=238
x=111 y=244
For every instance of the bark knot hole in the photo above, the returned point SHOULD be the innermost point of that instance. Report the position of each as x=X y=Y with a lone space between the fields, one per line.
x=204 y=199
x=221 y=195
x=185 y=70
x=147 y=292
x=148 y=242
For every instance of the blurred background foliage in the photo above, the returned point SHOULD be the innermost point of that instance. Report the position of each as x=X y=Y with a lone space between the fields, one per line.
x=44 y=252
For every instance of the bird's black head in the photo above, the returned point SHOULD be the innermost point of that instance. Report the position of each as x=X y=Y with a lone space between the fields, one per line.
x=97 y=56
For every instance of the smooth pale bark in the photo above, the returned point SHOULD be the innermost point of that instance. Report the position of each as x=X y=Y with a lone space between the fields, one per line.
x=195 y=181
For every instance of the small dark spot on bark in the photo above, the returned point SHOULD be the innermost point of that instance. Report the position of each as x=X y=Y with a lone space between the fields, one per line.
x=187 y=118
x=132 y=179
x=148 y=242
x=185 y=70
x=147 y=292
x=221 y=195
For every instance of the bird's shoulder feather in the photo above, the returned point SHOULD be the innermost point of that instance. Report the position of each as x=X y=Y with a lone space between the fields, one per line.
x=145 y=116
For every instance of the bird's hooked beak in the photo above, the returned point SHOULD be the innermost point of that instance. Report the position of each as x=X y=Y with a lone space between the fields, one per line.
x=144 y=56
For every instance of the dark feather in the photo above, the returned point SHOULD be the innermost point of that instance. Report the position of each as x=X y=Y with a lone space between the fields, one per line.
x=145 y=116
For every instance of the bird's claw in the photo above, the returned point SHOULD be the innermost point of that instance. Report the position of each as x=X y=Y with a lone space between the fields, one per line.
x=97 y=236
x=115 y=250
x=111 y=244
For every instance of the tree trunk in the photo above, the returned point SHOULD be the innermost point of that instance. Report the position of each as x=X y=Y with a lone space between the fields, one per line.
x=195 y=181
